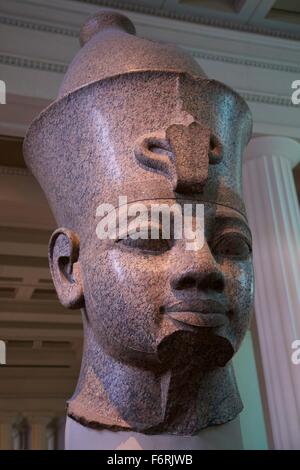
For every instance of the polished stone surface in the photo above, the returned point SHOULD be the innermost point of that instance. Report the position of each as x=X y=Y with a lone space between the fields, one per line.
x=161 y=322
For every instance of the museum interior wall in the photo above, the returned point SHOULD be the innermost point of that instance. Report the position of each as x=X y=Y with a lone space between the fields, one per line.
x=38 y=39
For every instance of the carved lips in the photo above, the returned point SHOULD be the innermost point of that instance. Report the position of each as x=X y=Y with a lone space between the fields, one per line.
x=202 y=313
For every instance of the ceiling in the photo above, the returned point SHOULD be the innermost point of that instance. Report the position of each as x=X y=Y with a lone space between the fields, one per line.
x=271 y=17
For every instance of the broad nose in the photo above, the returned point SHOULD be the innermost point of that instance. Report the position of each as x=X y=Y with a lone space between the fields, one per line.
x=200 y=270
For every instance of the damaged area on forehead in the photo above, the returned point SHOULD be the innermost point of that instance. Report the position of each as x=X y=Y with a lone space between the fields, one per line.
x=214 y=102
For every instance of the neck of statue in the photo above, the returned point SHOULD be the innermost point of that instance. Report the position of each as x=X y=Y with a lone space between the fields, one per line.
x=115 y=395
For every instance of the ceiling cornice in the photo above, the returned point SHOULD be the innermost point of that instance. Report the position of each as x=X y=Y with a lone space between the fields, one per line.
x=35 y=64
x=151 y=11
x=198 y=19
x=14 y=171
x=61 y=68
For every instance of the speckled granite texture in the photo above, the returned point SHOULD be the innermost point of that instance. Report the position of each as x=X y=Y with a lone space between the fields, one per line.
x=161 y=323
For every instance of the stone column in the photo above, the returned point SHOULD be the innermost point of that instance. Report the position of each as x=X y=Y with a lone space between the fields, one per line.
x=38 y=430
x=52 y=434
x=274 y=218
x=6 y=427
x=20 y=433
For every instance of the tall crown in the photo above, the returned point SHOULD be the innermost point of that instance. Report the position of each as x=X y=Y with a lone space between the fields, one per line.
x=137 y=118
x=110 y=48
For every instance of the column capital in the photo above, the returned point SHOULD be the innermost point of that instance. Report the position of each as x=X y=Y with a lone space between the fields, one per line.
x=8 y=417
x=35 y=417
x=273 y=146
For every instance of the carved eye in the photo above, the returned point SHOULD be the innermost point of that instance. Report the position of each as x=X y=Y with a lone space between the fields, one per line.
x=232 y=246
x=145 y=243
x=147 y=246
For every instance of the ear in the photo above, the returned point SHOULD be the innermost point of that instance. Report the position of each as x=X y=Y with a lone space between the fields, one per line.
x=63 y=257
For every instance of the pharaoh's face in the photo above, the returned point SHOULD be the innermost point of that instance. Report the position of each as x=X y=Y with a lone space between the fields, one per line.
x=155 y=301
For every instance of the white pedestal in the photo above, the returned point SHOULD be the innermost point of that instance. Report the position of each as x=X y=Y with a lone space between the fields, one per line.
x=226 y=436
